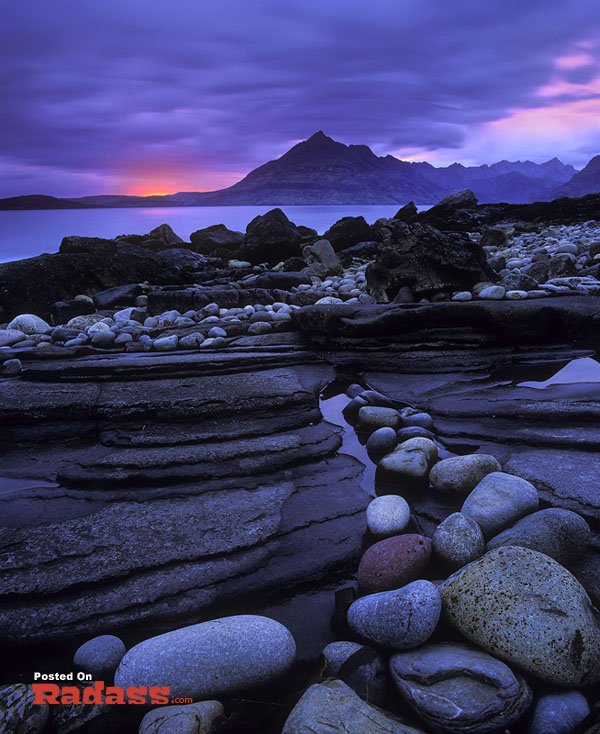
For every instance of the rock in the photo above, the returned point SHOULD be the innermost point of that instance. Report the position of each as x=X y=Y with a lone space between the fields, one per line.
x=271 y=237
x=409 y=464
x=81 y=323
x=370 y=418
x=29 y=323
x=333 y=706
x=283 y=281
x=348 y=231
x=100 y=656
x=388 y=515
x=8 y=337
x=400 y=619
x=322 y=252
x=11 y=368
x=463 y=199
x=238 y=264
x=103 y=338
x=393 y=562
x=560 y=534
x=85 y=718
x=360 y=667
x=193 y=718
x=407 y=213
x=499 y=500
x=328 y=300
x=191 y=341
x=216 y=239
x=123 y=339
x=455 y=688
x=492 y=237
x=461 y=474
x=216 y=331
x=492 y=293
x=403 y=434
x=516 y=295
x=260 y=327
x=62 y=311
x=556 y=267
x=524 y=607
x=587 y=571
x=458 y=540
x=424 y=420
x=163 y=235
x=212 y=658
x=382 y=441
x=118 y=296
x=18 y=713
x=462 y=296
x=180 y=258
x=166 y=343
x=558 y=713
x=519 y=282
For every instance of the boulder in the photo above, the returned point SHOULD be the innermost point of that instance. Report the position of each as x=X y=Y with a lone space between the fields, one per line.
x=18 y=713
x=499 y=500
x=323 y=253
x=463 y=199
x=428 y=261
x=28 y=323
x=100 y=656
x=562 y=712
x=393 y=562
x=458 y=540
x=216 y=239
x=161 y=237
x=493 y=237
x=333 y=706
x=9 y=337
x=461 y=474
x=555 y=267
x=211 y=659
x=382 y=441
x=407 y=213
x=271 y=237
x=193 y=718
x=348 y=231
x=372 y=417
x=62 y=311
x=525 y=608
x=407 y=467
x=119 y=296
x=359 y=666
x=399 y=619
x=457 y=689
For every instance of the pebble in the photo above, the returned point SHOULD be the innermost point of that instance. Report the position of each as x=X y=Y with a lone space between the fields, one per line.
x=97 y=327
x=371 y=418
x=423 y=420
x=211 y=659
x=492 y=293
x=393 y=562
x=560 y=534
x=29 y=323
x=123 y=339
x=191 y=341
x=409 y=463
x=328 y=301
x=103 y=338
x=559 y=713
x=499 y=500
x=458 y=540
x=166 y=343
x=399 y=619
x=516 y=295
x=8 y=337
x=260 y=327
x=363 y=669
x=193 y=718
x=100 y=656
x=524 y=607
x=11 y=368
x=216 y=331
x=461 y=474
x=462 y=296
x=388 y=515
x=456 y=688
x=382 y=441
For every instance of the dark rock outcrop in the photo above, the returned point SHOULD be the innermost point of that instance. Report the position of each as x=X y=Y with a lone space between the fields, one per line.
x=427 y=261
x=271 y=237
x=348 y=231
x=216 y=239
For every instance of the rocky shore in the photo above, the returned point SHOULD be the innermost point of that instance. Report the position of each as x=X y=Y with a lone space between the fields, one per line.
x=180 y=507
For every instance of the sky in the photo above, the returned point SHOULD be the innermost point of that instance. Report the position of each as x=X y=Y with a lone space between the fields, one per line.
x=158 y=96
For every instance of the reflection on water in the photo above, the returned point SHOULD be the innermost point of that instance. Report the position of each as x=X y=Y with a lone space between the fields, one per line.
x=577 y=371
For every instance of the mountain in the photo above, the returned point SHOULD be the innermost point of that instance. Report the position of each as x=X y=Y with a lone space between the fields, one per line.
x=586 y=181
x=323 y=171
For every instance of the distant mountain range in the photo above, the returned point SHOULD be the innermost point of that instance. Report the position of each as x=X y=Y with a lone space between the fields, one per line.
x=321 y=170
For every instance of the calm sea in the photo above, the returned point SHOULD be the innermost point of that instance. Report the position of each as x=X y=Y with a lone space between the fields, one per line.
x=28 y=233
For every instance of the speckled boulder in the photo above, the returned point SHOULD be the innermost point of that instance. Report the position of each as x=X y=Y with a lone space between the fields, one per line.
x=400 y=619
x=461 y=474
x=371 y=417
x=456 y=688
x=18 y=713
x=409 y=464
x=210 y=659
x=393 y=562
x=100 y=656
x=458 y=540
x=524 y=607
x=194 y=718
x=499 y=500
x=388 y=515
x=560 y=534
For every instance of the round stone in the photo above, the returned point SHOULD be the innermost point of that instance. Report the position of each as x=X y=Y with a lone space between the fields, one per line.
x=455 y=688
x=166 y=343
x=462 y=296
x=123 y=339
x=193 y=718
x=9 y=337
x=260 y=327
x=461 y=474
x=423 y=420
x=499 y=500
x=409 y=464
x=403 y=434
x=211 y=659
x=399 y=619
x=100 y=656
x=364 y=670
x=216 y=331
x=191 y=341
x=11 y=368
x=516 y=295
x=492 y=293
x=372 y=417
x=382 y=441
x=559 y=713
x=458 y=540
x=388 y=515
x=393 y=562
x=525 y=608
x=103 y=338
x=29 y=323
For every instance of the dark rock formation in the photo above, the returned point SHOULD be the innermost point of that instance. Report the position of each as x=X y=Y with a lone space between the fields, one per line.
x=216 y=239
x=407 y=213
x=348 y=231
x=427 y=261
x=271 y=237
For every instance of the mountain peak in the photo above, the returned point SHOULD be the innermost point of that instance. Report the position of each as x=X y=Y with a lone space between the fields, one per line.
x=319 y=136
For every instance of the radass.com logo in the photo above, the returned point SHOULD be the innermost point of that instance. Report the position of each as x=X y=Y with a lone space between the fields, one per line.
x=96 y=692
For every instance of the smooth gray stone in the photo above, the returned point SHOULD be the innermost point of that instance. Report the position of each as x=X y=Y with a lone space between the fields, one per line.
x=382 y=441
x=458 y=540
x=360 y=667
x=100 y=656
x=333 y=706
x=499 y=500
x=524 y=607
x=193 y=718
x=372 y=417
x=461 y=474
x=398 y=619
x=456 y=688
x=388 y=515
x=560 y=534
x=559 y=713
x=210 y=659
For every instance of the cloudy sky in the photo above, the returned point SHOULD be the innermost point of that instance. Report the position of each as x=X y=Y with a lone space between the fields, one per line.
x=154 y=96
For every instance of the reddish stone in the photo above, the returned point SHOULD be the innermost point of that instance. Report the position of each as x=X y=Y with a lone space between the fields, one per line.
x=393 y=562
